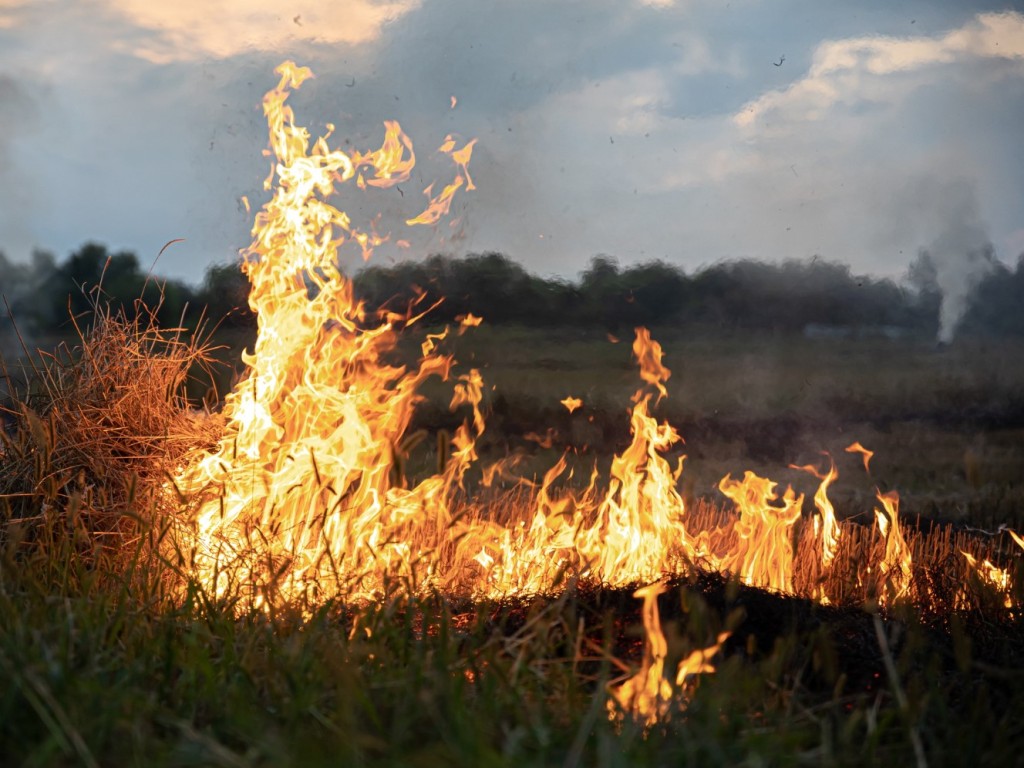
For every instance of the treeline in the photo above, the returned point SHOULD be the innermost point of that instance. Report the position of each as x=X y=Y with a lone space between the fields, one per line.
x=746 y=295
x=794 y=296
x=43 y=296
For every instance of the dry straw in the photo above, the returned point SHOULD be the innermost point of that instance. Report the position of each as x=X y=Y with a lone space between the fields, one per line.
x=93 y=429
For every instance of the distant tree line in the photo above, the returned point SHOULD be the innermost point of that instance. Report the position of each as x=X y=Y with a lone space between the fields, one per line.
x=743 y=295
x=43 y=296
x=731 y=296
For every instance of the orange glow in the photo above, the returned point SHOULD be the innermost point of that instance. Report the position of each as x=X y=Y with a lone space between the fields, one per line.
x=648 y=695
x=895 y=566
x=571 y=403
x=763 y=556
x=864 y=452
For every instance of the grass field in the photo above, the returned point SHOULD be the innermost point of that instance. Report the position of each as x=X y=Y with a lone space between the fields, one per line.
x=946 y=425
x=102 y=662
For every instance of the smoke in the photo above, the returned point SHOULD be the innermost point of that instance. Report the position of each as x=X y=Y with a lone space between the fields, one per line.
x=17 y=111
x=961 y=256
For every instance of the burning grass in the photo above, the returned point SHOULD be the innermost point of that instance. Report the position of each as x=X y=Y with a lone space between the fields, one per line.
x=272 y=586
x=178 y=676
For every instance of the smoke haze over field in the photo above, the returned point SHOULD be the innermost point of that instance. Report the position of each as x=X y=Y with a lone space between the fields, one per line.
x=685 y=131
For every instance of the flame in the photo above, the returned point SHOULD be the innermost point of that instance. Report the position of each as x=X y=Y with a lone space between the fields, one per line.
x=648 y=695
x=302 y=497
x=648 y=354
x=995 y=577
x=571 y=403
x=389 y=164
x=864 y=452
x=1016 y=537
x=763 y=556
x=895 y=566
x=298 y=491
x=826 y=526
x=439 y=205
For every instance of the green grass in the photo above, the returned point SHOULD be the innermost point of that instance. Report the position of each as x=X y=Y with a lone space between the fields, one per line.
x=114 y=674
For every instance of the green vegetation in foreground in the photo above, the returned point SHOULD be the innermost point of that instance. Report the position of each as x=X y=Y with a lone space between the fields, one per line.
x=97 y=672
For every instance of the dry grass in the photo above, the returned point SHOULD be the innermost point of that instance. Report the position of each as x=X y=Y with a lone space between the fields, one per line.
x=94 y=428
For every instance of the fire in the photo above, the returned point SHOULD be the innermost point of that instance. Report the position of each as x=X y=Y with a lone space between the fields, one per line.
x=571 y=403
x=864 y=452
x=298 y=492
x=764 y=554
x=300 y=498
x=648 y=695
x=305 y=495
x=996 y=578
x=826 y=526
x=895 y=567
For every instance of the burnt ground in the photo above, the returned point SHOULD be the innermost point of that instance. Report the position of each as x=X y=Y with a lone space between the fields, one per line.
x=825 y=651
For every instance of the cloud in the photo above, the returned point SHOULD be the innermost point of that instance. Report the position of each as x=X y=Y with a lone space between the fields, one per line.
x=10 y=12
x=197 y=29
x=852 y=70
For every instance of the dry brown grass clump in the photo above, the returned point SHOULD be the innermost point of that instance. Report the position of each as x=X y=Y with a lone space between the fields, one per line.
x=94 y=427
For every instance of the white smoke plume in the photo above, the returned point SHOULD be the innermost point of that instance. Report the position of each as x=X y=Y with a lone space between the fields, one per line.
x=961 y=255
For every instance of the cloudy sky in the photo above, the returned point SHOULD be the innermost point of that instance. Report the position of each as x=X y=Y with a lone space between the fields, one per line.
x=686 y=130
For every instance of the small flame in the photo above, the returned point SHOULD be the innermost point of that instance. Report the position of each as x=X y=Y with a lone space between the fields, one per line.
x=648 y=354
x=895 y=566
x=469 y=320
x=764 y=554
x=571 y=403
x=865 y=454
x=1019 y=541
x=995 y=577
x=648 y=695
x=390 y=164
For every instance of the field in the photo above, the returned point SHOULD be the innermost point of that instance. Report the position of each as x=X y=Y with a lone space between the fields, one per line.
x=103 y=663
x=946 y=425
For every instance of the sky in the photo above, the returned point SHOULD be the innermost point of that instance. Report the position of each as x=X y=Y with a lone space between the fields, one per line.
x=691 y=131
